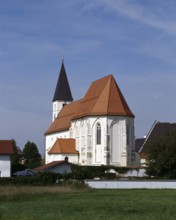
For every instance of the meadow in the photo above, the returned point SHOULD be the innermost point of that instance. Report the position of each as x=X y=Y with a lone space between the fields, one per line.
x=65 y=203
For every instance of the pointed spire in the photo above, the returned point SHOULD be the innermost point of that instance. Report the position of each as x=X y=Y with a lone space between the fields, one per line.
x=62 y=91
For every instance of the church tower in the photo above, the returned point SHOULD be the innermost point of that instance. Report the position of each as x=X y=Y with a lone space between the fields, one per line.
x=62 y=95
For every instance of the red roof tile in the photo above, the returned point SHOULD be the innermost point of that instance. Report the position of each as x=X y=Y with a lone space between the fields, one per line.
x=6 y=147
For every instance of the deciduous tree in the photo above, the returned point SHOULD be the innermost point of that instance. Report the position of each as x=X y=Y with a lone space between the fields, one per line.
x=162 y=157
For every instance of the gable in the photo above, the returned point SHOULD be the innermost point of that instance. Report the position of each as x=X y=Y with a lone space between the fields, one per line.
x=6 y=147
x=159 y=130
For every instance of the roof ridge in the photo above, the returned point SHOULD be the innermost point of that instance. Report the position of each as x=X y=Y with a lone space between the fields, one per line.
x=150 y=131
x=109 y=94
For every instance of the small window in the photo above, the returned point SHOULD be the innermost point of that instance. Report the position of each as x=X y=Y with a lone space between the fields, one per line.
x=64 y=104
x=98 y=133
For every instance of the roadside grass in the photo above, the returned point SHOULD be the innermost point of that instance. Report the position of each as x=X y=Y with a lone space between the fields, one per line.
x=65 y=203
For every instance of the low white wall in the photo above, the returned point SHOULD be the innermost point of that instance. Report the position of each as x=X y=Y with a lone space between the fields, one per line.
x=130 y=184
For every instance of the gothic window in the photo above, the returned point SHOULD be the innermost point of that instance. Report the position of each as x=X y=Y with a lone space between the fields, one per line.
x=128 y=135
x=98 y=135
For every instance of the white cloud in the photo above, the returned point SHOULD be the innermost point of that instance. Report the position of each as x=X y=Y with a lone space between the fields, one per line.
x=146 y=15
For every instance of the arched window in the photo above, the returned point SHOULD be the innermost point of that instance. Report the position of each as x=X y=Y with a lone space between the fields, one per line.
x=128 y=135
x=98 y=133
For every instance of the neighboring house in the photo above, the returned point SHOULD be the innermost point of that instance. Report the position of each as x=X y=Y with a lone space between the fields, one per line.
x=20 y=155
x=95 y=130
x=62 y=166
x=158 y=130
x=6 y=150
x=138 y=144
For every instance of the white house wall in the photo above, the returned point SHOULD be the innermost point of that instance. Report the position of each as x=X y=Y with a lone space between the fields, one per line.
x=5 y=166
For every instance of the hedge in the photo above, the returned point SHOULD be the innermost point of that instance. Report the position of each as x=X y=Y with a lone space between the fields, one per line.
x=78 y=173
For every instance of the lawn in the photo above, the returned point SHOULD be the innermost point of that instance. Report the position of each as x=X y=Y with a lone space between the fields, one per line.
x=47 y=203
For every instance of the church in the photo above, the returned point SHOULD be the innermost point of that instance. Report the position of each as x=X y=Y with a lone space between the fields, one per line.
x=95 y=130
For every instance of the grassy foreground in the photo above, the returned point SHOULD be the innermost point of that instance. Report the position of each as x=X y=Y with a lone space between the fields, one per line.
x=47 y=203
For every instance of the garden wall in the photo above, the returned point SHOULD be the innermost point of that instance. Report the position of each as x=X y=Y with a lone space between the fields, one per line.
x=131 y=184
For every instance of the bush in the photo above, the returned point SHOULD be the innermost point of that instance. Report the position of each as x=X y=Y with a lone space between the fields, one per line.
x=43 y=178
x=17 y=167
x=90 y=172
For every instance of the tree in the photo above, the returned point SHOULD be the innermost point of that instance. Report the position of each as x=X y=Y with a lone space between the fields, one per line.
x=32 y=157
x=15 y=157
x=162 y=157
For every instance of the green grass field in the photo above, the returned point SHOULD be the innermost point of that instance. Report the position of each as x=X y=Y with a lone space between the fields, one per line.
x=47 y=203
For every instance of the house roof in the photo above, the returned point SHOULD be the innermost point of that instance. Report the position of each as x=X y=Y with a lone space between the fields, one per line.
x=6 y=147
x=64 y=146
x=138 y=143
x=62 y=91
x=158 y=130
x=104 y=97
x=50 y=165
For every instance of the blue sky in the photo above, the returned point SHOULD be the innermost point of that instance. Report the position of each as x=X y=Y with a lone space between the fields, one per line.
x=132 y=39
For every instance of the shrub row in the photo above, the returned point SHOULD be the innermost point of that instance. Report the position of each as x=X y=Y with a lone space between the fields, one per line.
x=46 y=178
x=79 y=173
x=90 y=172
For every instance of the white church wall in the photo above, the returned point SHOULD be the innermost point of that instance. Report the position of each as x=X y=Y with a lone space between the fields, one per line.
x=79 y=132
x=132 y=158
x=98 y=148
x=117 y=140
x=84 y=131
x=72 y=158
x=121 y=140
x=57 y=107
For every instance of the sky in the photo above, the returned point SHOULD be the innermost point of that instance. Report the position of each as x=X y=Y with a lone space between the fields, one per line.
x=134 y=40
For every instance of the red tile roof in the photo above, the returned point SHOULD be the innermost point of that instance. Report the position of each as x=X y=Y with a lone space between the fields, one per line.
x=103 y=98
x=6 y=147
x=52 y=164
x=64 y=146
